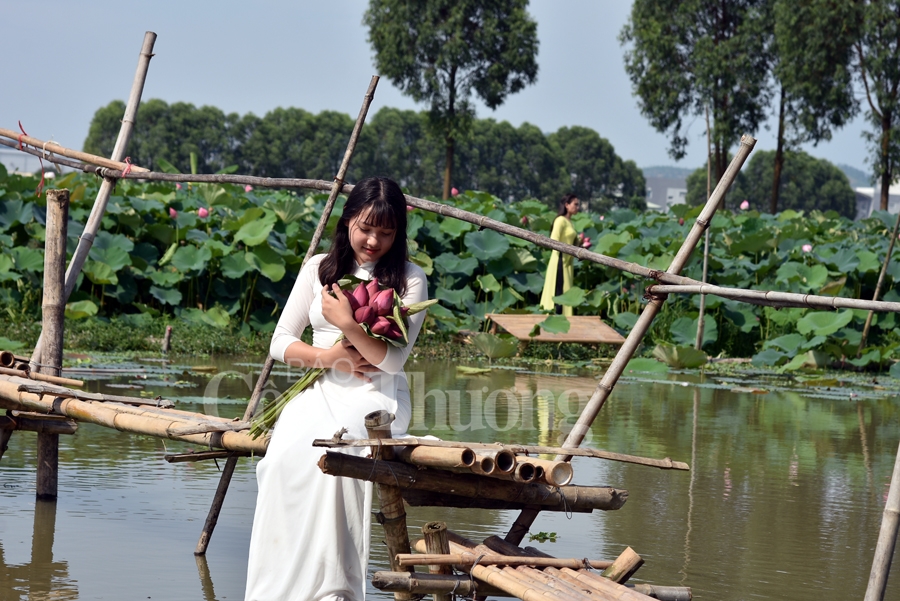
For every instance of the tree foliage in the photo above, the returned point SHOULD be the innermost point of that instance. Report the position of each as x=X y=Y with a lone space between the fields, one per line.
x=686 y=55
x=440 y=51
x=511 y=163
x=807 y=184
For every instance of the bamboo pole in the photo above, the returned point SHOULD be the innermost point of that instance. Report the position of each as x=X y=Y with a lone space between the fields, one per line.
x=698 y=343
x=470 y=558
x=392 y=515
x=335 y=188
x=517 y=449
x=424 y=498
x=53 y=306
x=469 y=485
x=204 y=456
x=635 y=337
x=37 y=423
x=436 y=541
x=777 y=299
x=94 y=220
x=887 y=539
x=504 y=460
x=555 y=473
x=50 y=390
x=884 y=266
x=444 y=458
x=21 y=373
x=433 y=584
x=624 y=567
x=54 y=148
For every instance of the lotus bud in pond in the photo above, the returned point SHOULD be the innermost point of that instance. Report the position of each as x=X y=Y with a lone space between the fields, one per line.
x=372 y=287
x=203 y=212
x=248 y=188
x=354 y=304
x=383 y=303
x=173 y=213
x=454 y=192
x=361 y=294
x=524 y=220
x=365 y=315
x=745 y=205
x=806 y=248
x=381 y=326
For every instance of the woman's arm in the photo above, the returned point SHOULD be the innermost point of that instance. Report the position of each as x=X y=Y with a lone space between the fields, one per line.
x=559 y=226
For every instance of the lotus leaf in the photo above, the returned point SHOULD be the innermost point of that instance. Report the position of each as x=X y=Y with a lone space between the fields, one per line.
x=455 y=227
x=165 y=278
x=27 y=259
x=6 y=263
x=612 y=244
x=680 y=357
x=843 y=261
x=521 y=259
x=266 y=261
x=486 y=244
x=769 y=357
x=823 y=322
x=255 y=233
x=81 y=309
x=10 y=345
x=526 y=282
x=554 y=324
x=450 y=263
x=424 y=261
x=684 y=330
x=496 y=347
x=15 y=212
x=100 y=273
x=235 y=265
x=625 y=321
x=190 y=258
x=488 y=283
x=167 y=296
x=454 y=298
x=572 y=297
x=643 y=364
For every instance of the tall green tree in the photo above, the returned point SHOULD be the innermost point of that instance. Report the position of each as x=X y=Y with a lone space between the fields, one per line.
x=440 y=51
x=686 y=55
x=813 y=52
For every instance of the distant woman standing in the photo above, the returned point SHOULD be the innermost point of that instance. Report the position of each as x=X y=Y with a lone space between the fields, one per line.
x=560 y=272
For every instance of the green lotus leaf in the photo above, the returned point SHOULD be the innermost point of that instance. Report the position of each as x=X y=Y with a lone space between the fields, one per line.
x=27 y=259
x=572 y=297
x=168 y=296
x=100 y=273
x=488 y=283
x=455 y=227
x=235 y=265
x=15 y=212
x=486 y=244
x=625 y=321
x=6 y=263
x=823 y=322
x=191 y=258
x=450 y=263
x=521 y=259
x=80 y=310
x=868 y=261
x=165 y=278
x=554 y=324
x=496 y=347
x=267 y=262
x=684 y=330
x=10 y=345
x=454 y=298
x=644 y=364
x=255 y=233
x=680 y=357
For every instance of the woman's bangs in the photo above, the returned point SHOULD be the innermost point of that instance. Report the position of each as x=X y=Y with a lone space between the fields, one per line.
x=380 y=214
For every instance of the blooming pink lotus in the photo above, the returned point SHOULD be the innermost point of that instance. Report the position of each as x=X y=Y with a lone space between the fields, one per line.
x=248 y=188
x=806 y=248
x=454 y=192
x=745 y=205
x=173 y=213
x=203 y=212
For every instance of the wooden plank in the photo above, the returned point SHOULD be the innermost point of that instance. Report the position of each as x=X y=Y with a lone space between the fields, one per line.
x=586 y=329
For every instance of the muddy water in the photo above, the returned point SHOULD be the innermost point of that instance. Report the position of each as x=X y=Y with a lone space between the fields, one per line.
x=784 y=500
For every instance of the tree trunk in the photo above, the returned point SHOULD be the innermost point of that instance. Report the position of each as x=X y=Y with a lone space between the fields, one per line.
x=886 y=171
x=448 y=166
x=779 y=157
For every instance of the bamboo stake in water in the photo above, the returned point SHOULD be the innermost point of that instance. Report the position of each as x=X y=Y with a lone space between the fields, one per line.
x=635 y=337
x=887 y=539
x=698 y=343
x=231 y=463
x=884 y=266
x=53 y=308
x=96 y=217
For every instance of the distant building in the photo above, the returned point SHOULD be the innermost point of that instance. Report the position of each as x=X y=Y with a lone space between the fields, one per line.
x=663 y=192
x=868 y=199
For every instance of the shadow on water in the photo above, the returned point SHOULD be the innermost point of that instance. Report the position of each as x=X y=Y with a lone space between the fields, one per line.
x=784 y=499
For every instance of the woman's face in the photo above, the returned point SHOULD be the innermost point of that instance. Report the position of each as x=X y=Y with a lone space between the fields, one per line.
x=369 y=243
x=573 y=206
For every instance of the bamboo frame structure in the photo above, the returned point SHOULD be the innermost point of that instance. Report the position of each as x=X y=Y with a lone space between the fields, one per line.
x=436 y=541
x=95 y=218
x=887 y=539
x=468 y=559
x=52 y=147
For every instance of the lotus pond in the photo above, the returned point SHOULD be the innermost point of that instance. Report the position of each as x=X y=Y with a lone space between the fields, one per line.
x=784 y=500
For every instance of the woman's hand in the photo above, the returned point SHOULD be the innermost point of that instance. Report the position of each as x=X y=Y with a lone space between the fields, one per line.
x=336 y=309
x=347 y=359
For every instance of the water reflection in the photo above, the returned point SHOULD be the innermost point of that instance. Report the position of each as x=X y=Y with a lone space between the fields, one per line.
x=784 y=499
x=42 y=577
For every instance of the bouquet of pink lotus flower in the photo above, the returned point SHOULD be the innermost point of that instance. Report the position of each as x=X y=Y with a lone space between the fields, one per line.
x=379 y=312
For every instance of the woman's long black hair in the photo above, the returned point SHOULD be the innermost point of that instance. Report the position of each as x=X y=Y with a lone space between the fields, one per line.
x=563 y=202
x=386 y=206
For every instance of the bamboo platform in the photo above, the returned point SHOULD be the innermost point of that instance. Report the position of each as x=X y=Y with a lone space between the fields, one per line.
x=584 y=329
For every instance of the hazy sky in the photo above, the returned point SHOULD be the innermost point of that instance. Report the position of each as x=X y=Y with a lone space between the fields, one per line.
x=63 y=60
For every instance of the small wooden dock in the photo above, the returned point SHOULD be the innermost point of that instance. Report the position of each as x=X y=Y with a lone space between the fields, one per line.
x=584 y=329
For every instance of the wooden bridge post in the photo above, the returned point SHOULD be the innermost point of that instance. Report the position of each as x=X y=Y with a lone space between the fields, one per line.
x=53 y=309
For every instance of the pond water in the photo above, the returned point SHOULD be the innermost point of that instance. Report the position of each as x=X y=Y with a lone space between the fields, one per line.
x=784 y=500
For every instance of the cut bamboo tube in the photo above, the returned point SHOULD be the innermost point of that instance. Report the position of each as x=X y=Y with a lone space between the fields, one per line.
x=439 y=457
x=392 y=515
x=518 y=449
x=53 y=147
x=504 y=461
x=522 y=472
x=39 y=424
x=433 y=584
x=7 y=359
x=887 y=539
x=635 y=336
x=425 y=498
x=624 y=567
x=53 y=306
x=436 y=541
x=555 y=473
x=483 y=466
x=40 y=377
x=49 y=390
x=106 y=187
x=471 y=557
x=468 y=485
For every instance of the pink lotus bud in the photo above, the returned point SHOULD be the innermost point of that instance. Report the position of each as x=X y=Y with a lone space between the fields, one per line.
x=454 y=192
x=354 y=304
x=681 y=221
x=248 y=188
x=173 y=213
x=586 y=243
x=394 y=332
x=361 y=294
x=178 y=186
x=383 y=303
x=404 y=310
x=372 y=287
x=365 y=315
x=524 y=220
x=410 y=208
x=381 y=326
x=602 y=217
x=745 y=205
x=806 y=248
x=203 y=212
